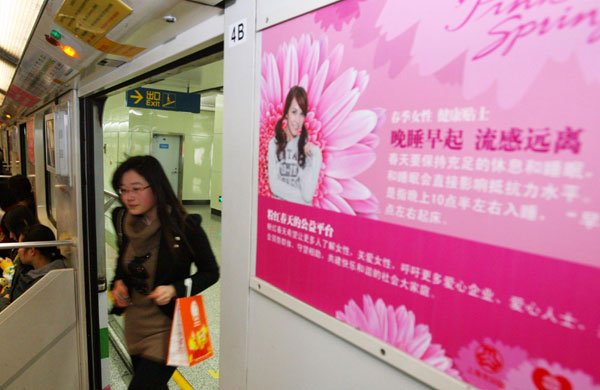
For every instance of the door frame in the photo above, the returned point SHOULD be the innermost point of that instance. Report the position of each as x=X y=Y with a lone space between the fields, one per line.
x=179 y=189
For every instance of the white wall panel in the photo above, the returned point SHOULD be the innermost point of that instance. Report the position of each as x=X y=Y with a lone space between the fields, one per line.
x=240 y=107
x=289 y=352
x=43 y=358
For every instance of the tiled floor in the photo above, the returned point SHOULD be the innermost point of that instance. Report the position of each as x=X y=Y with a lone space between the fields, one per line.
x=205 y=374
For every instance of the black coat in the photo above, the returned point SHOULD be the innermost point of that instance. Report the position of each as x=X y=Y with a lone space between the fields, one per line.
x=171 y=270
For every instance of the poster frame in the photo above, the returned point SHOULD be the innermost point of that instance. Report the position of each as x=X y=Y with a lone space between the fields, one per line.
x=62 y=141
x=404 y=362
x=281 y=11
x=49 y=139
x=379 y=349
x=314 y=315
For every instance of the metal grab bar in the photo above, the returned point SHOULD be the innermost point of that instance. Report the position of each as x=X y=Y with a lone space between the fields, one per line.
x=111 y=194
x=36 y=244
x=113 y=198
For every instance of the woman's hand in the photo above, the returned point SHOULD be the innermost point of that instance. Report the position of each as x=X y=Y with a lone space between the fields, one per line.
x=120 y=294
x=163 y=294
x=308 y=148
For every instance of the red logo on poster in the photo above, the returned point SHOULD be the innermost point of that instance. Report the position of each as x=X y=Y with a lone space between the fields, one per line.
x=489 y=358
x=545 y=381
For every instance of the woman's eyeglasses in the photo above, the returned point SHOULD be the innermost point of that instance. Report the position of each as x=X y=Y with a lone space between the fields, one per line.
x=138 y=274
x=134 y=190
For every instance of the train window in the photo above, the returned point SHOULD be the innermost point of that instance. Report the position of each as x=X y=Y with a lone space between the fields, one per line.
x=50 y=171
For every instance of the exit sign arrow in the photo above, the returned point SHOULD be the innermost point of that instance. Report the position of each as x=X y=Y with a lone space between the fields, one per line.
x=137 y=96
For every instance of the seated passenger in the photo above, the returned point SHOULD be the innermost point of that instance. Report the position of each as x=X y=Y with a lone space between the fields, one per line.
x=41 y=260
x=14 y=222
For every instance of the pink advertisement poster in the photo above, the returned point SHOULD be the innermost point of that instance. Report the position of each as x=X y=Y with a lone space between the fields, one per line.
x=428 y=173
x=30 y=142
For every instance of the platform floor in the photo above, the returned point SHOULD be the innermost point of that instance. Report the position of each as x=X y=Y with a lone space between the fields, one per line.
x=205 y=374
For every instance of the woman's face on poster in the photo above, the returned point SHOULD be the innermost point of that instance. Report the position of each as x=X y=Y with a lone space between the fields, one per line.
x=295 y=120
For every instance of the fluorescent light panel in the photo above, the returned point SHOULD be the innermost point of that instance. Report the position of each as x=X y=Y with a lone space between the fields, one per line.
x=6 y=74
x=17 y=20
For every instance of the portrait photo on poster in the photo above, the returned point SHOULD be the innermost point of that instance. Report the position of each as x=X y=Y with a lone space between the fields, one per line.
x=314 y=145
x=293 y=161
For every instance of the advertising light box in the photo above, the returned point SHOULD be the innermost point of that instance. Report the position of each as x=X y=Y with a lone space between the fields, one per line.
x=428 y=174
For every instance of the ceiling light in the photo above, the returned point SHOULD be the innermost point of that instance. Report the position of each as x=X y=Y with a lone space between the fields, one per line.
x=17 y=20
x=6 y=74
x=8 y=115
x=68 y=50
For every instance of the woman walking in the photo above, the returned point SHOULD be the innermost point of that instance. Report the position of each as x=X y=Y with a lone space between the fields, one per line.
x=158 y=242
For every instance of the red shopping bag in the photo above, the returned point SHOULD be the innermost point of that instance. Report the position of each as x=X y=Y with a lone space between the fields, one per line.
x=189 y=343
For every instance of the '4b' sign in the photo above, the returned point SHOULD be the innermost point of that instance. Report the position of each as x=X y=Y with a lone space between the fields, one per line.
x=238 y=32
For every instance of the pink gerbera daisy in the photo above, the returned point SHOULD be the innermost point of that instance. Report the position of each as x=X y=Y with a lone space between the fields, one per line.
x=397 y=327
x=344 y=135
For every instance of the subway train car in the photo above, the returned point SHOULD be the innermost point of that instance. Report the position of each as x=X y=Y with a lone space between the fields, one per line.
x=471 y=261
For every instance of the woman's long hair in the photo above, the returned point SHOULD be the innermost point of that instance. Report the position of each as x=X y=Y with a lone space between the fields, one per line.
x=171 y=213
x=7 y=198
x=17 y=219
x=298 y=93
x=20 y=186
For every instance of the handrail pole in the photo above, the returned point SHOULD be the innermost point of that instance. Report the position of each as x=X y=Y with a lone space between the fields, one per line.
x=36 y=244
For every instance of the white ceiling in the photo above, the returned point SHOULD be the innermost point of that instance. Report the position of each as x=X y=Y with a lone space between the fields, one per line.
x=199 y=78
x=144 y=27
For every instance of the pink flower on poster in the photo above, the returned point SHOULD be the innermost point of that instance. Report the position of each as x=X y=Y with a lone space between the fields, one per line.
x=394 y=53
x=338 y=14
x=485 y=44
x=541 y=375
x=485 y=364
x=398 y=327
x=345 y=136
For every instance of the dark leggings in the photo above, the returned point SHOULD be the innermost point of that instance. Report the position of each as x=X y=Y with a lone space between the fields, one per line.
x=149 y=375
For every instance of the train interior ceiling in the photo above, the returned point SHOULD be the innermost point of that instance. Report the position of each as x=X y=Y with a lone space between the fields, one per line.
x=39 y=120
